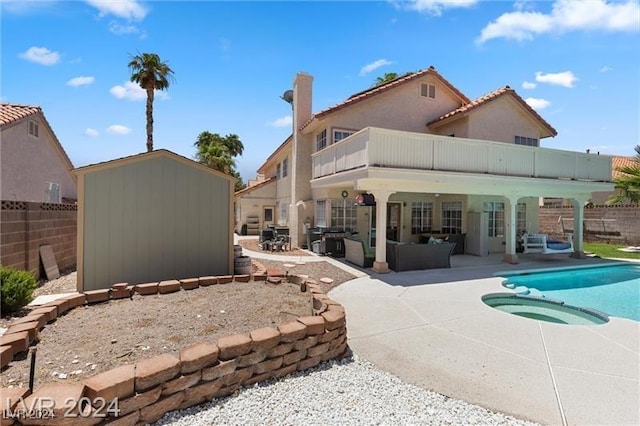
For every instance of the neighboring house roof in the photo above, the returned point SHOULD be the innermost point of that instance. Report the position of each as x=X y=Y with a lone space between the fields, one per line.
x=279 y=149
x=249 y=189
x=369 y=93
x=619 y=162
x=10 y=114
x=483 y=100
x=147 y=156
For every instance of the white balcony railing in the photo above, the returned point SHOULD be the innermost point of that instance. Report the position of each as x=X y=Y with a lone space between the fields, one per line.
x=391 y=148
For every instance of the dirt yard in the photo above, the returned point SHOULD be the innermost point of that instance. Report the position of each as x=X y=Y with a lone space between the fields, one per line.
x=95 y=338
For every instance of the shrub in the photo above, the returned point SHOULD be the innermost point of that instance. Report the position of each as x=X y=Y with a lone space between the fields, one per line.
x=16 y=290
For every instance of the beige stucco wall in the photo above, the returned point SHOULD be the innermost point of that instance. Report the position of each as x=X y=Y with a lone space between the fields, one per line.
x=501 y=120
x=402 y=108
x=252 y=203
x=152 y=220
x=28 y=162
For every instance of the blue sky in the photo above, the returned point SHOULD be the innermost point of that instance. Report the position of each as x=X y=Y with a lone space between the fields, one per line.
x=576 y=62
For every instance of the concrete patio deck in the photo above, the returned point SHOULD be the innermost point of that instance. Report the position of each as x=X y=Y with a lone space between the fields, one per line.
x=431 y=328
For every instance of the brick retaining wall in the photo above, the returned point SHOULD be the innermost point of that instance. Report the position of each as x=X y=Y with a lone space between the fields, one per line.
x=150 y=388
x=621 y=224
x=25 y=226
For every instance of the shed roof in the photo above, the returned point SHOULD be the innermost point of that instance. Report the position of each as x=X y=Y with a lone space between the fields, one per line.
x=149 y=156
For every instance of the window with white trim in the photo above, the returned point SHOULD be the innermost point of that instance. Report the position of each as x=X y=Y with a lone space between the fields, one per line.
x=344 y=214
x=421 y=217
x=284 y=213
x=428 y=90
x=34 y=129
x=52 y=192
x=496 y=218
x=338 y=135
x=285 y=167
x=521 y=218
x=522 y=140
x=278 y=171
x=321 y=212
x=321 y=140
x=451 y=217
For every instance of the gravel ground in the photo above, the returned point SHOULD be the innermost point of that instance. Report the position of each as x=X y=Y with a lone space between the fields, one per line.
x=345 y=392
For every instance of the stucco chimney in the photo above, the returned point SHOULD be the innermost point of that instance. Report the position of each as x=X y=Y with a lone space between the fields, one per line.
x=302 y=88
x=300 y=157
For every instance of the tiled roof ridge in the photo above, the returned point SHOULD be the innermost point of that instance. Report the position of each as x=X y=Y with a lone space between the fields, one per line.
x=10 y=113
x=256 y=186
x=357 y=97
x=482 y=100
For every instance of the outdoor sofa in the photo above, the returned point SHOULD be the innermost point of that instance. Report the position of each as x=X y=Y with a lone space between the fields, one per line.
x=409 y=257
x=358 y=252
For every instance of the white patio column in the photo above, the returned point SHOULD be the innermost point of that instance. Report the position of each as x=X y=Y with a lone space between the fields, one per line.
x=510 y=231
x=380 y=265
x=578 y=227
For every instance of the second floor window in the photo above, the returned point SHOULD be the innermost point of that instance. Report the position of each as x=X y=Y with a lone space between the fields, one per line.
x=34 y=129
x=428 y=90
x=421 y=217
x=451 y=217
x=285 y=167
x=338 y=135
x=278 y=171
x=321 y=140
x=521 y=140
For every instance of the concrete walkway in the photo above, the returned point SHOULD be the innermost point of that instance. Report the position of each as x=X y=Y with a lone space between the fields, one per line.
x=431 y=328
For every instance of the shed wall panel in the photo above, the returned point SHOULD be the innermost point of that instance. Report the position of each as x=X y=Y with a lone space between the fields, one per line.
x=154 y=220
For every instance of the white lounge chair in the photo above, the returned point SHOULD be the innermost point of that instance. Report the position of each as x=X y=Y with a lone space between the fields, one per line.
x=541 y=243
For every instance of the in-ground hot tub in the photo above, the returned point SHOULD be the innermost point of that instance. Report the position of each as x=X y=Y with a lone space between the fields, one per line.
x=544 y=309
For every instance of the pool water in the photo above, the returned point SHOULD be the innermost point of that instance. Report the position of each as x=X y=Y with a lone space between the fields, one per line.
x=614 y=290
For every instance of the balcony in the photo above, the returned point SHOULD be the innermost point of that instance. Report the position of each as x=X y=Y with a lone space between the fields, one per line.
x=405 y=150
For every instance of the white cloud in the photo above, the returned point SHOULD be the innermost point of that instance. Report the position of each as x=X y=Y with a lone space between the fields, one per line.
x=565 y=16
x=92 y=133
x=606 y=69
x=118 y=129
x=564 y=79
x=80 y=81
x=537 y=103
x=126 y=9
x=285 y=121
x=133 y=92
x=374 y=66
x=22 y=7
x=528 y=85
x=41 y=55
x=120 y=29
x=432 y=7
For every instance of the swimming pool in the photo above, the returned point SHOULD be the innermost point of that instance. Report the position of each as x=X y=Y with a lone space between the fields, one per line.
x=612 y=289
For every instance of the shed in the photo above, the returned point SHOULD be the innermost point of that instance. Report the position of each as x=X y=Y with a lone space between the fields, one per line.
x=151 y=217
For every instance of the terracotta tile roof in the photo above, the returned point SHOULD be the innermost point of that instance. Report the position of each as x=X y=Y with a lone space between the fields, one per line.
x=256 y=186
x=10 y=113
x=619 y=162
x=282 y=146
x=483 y=100
x=366 y=94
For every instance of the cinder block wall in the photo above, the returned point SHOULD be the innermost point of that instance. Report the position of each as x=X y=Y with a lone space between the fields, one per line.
x=25 y=226
x=602 y=223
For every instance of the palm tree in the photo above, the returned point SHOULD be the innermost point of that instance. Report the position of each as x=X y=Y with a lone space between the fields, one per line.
x=628 y=184
x=387 y=77
x=151 y=74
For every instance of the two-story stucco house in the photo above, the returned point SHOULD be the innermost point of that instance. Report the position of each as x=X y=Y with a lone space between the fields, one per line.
x=434 y=161
x=33 y=164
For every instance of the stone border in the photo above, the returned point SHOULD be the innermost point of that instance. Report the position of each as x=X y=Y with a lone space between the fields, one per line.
x=150 y=388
